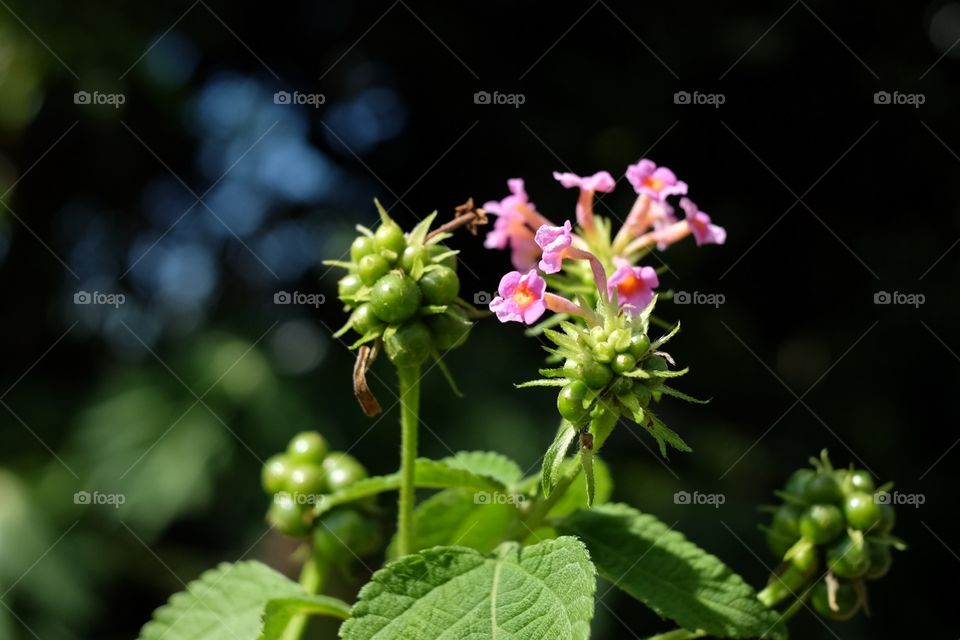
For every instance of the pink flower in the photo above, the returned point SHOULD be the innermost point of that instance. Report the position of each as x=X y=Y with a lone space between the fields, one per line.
x=634 y=285
x=600 y=181
x=517 y=217
x=521 y=297
x=704 y=232
x=554 y=241
x=656 y=183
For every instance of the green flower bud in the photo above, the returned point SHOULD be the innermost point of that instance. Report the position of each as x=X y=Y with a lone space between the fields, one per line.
x=823 y=488
x=603 y=352
x=596 y=375
x=341 y=470
x=862 y=512
x=273 y=476
x=410 y=345
x=362 y=246
x=880 y=559
x=364 y=320
x=450 y=329
x=847 y=601
x=410 y=255
x=395 y=298
x=821 y=523
x=389 y=237
x=798 y=481
x=439 y=249
x=287 y=516
x=624 y=363
x=440 y=285
x=570 y=402
x=371 y=268
x=858 y=481
x=305 y=479
x=619 y=339
x=307 y=446
x=349 y=285
x=848 y=558
x=639 y=345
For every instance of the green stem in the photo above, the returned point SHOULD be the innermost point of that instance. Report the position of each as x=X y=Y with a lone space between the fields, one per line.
x=409 y=421
x=311 y=579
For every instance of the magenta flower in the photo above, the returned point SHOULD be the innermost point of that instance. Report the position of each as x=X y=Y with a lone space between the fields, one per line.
x=517 y=217
x=600 y=181
x=634 y=285
x=588 y=185
x=654 y=182
x=554 y=241
x=521 y=297
x=704 y=232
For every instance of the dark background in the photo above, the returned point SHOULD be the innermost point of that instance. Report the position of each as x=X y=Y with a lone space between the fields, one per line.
x=173 y=398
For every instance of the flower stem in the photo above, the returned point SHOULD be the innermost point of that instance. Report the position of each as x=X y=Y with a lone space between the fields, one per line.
x=311 y=579
x=409 y=421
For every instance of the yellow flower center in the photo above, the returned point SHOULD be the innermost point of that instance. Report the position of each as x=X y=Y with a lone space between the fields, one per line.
x=523 y=296
x=630 y=285
x=653 y=183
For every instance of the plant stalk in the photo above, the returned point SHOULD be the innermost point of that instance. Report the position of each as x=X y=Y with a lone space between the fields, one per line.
x=409 y=421
x=311 y=579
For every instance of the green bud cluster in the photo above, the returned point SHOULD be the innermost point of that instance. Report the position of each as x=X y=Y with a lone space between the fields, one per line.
x=609 y=363
x=403 y=289
x=832 y=522
x=611 y=368
x=297 y=476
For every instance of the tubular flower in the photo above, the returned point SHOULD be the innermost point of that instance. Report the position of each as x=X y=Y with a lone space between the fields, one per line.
x=654 y=182
x=600 y=181
x=554 y=241
x=634 y=285
x=517 y=217
x=704 y=232
x=521 y=297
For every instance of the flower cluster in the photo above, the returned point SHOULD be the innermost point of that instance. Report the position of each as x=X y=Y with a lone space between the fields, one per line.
x=602 y=297
x=403 y=290
x=536 y=242
x=835 y=518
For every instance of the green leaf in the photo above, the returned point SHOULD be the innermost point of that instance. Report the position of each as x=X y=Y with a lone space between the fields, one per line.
x=280 y=611
x=384 y=216
x=553 y=458
x=543 y=382
x=338 y=263
x=662 y=340
x=576 y=496
x=666 y=373
x=586 y=460
x=419 y=233
x=670 y=574
x=517 y=593
x=430 y=474
x=670 y=391
x=664 y=435
x=475 y=519
x=232 y=602
x=490 y=464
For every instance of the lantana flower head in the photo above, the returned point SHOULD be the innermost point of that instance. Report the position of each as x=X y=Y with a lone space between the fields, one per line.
x=521 y=297
x=633 y=285
x=654 y=182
